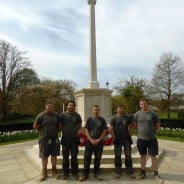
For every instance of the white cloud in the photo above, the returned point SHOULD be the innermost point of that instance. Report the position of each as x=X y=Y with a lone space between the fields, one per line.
x=131 y=35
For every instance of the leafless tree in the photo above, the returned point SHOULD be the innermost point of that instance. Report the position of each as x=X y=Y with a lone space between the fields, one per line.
x=12 y=60
x=168 y=77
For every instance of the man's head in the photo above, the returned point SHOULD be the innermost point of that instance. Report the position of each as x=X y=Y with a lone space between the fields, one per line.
x=49 y=106
x=120 y=109
x=143 y=103
x=96 y=110
x=71 y=106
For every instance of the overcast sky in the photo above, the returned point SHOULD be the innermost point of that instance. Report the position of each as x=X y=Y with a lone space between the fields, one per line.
x=130 y=34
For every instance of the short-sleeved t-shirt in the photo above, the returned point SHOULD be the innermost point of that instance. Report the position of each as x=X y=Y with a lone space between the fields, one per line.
x=146 y=124
x=96 y=126
x=120 y=125
x=70 y=123
x=48 y=124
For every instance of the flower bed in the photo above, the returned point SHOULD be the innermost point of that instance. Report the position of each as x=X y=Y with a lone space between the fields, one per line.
x=30 y=134
x=171 y=132
x=18 y=135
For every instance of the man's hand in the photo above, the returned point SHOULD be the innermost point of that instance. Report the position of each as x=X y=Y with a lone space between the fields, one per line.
x=92 y=141
x=36 y=127
x=97 y=141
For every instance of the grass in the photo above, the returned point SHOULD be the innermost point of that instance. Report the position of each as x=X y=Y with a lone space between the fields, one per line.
x=17 y=141
x=177 y=139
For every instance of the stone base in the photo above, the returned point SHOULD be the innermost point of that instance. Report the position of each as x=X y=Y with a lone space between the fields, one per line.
x=107 y=161
x=87 y=97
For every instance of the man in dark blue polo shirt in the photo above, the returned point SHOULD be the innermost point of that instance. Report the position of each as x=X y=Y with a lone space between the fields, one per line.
x=96 y=129
x=120 y=126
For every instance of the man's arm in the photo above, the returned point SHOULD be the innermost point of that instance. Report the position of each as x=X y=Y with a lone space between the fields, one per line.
x=111 y=130
x=36 y=126
x=97 y=141
x=89 y=137
x=157 y=126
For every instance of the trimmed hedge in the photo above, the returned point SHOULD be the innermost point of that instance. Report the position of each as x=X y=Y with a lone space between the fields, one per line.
x=172 y=123
x=165 y=123
x=16 y=126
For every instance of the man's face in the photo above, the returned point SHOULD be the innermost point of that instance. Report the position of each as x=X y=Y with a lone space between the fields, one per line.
x=143 y=105
x=70 y=107
x=120 y=110
x=96 y=111
x=49 y=107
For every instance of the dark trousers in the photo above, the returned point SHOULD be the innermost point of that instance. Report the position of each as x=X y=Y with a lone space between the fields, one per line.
x=89 y=149
x=70 y=147
x=128 y=158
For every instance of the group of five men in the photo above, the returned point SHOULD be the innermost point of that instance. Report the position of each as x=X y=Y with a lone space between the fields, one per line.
x=50 y=123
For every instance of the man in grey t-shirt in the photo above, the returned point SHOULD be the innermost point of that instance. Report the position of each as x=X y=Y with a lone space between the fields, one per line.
x=48 y=125
x=147 y=123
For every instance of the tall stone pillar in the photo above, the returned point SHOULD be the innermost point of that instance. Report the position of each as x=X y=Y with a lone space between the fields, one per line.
x=92 y=46
x=93 y=95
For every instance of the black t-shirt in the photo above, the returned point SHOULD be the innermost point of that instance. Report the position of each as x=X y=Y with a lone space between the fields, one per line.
x=70 y=123
x=96 y=126
x=48 y=124
x=120 y=125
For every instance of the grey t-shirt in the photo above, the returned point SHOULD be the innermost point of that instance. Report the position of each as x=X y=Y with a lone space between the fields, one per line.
x=48 y=124
x=146 y=124
x=96 y=126
x=70 y=124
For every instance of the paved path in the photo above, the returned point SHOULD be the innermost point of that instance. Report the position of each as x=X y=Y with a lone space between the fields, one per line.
x=15 y=168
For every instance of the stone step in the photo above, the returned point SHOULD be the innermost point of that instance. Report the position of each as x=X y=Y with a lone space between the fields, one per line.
x=107 y=150
x=106 y=165
x=106 y=159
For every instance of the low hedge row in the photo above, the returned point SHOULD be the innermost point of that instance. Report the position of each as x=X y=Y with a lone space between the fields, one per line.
x=16 y=126
x=172 y=123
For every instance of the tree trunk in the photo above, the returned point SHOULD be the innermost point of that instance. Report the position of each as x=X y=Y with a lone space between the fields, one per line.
x=168 y=109
x=4 y=108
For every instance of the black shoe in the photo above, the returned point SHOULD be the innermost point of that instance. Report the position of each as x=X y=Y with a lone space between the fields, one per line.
x=131 y=175
x=64 y=177
x=118 y=175
x=159 y=179
x=98 y=177
x=83 y=178
x=75 y=176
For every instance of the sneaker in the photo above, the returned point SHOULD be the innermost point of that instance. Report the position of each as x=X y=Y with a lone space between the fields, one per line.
x=132 y=175
x=141 y=175
x=118 y=175
x=98 y=177
x=44 y=175
x=55 y=173
x=83 y=178
x=159 y=179
x=64 y=177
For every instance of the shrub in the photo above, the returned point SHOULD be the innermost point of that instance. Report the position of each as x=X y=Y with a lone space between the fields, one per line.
x=180 y=113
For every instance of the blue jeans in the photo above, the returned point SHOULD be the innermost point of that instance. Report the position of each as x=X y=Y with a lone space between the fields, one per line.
x=128 y=158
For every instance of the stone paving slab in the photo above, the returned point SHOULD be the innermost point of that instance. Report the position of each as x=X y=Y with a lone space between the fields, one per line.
x=15 y=168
